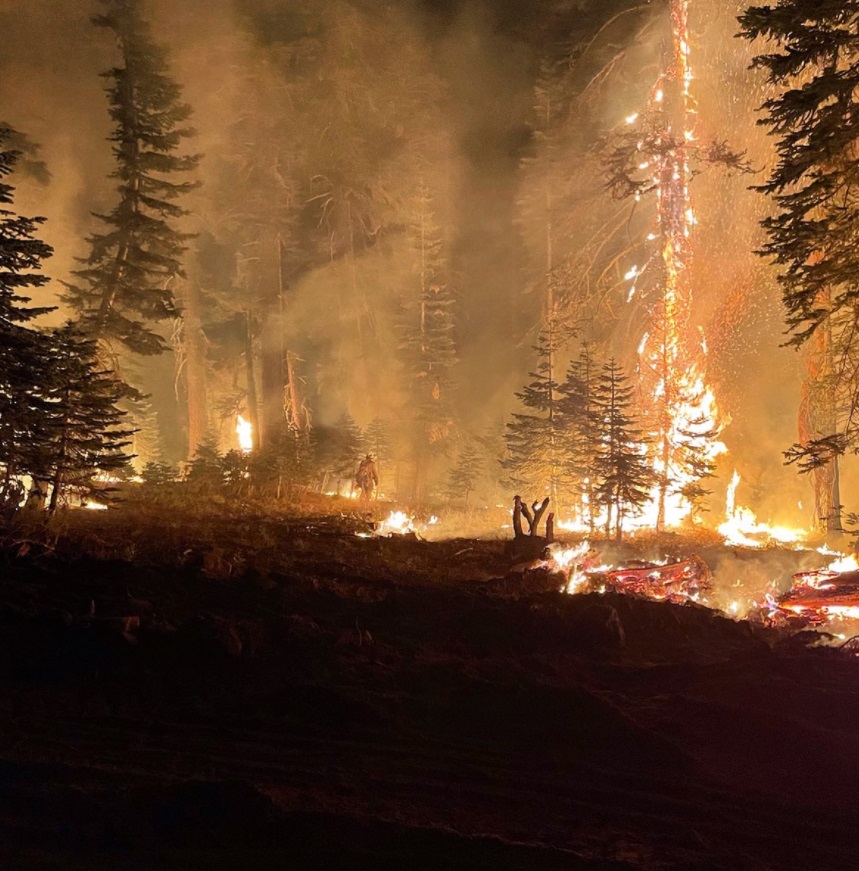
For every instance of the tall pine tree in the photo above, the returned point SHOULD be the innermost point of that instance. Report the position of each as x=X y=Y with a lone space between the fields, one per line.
x=428 y=347
x=123 y=289
x=813 y=68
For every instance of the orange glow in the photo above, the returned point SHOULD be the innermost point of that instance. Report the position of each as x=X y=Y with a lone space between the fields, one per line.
x=244 y=430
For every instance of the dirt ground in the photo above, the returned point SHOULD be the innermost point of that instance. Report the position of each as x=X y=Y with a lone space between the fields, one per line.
x=279 y=693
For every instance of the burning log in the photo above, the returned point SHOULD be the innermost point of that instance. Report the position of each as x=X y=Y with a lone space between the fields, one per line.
x=675 y=582
x=818 y=597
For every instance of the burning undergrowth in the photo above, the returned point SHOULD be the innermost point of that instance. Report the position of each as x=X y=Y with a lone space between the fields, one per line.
x=776 y=585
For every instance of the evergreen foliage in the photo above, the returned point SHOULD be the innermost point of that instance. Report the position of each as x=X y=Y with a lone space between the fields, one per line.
x=82 y=438
x=624 y=475
x=466 y=473
x=23 y=351
x=695 y=448
x=428 y=346
x=340 y=448
x=581 y=425
x=206 y=469
x=537 y=443
x=156 y=474
x=123 y=285
x=813 y=68
x=378 y=441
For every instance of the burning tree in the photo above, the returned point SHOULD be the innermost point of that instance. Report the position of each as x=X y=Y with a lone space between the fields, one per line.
x=252 y=210
x=624 y=473
x=124 y=284
x=660 y=154
x=814 y=115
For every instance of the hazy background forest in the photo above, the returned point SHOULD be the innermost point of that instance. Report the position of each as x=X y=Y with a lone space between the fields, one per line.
x=364 y=163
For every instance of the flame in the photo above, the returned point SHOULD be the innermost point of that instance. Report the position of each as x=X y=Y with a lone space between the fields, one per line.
x=844 y=564
x=244 y=430
x=741 y=527
x=571 y=562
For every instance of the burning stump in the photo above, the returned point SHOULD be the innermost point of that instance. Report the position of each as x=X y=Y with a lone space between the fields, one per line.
x=530 y=545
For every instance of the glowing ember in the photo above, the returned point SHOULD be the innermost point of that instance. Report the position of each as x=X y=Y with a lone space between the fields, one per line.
x=670 y=580
x=821 y=596
x=396 y=523
x=572 y=563
x=95 y=506
x=673 y=581
x=244 y=430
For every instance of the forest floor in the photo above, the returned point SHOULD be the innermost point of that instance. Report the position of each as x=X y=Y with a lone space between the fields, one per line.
x=239 y=692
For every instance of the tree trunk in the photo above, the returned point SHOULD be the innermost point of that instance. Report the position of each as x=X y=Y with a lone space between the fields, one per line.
x=296 y=419
x=250 y=377
x=833 y=517
x=272 y=354
x=194 y=352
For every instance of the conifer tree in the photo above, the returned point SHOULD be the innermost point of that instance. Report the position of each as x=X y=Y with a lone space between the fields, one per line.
x=815 y=118
x=339 y=448
x=812 y=66
x=624 y=475
x=206 y=469
x=254 y=211
x=377 y=441
x=465 y=473
x=428 y=347
x=537 y=443
x=158 y=474
x=578 y=407
x=24 y=353
x=83 y=435
x=123 y=287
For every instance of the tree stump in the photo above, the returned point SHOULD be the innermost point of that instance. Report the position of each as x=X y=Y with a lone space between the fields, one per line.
x=530 y=544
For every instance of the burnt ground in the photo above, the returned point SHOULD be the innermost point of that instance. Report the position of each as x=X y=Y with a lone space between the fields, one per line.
x=242 y=693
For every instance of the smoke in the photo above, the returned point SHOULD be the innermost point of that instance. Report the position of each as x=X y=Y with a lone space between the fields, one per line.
x=442 y=92
x=50 y=90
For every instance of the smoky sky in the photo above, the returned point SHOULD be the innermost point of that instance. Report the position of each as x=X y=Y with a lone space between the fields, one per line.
x=488 y=54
